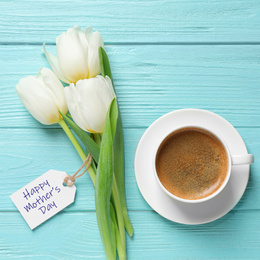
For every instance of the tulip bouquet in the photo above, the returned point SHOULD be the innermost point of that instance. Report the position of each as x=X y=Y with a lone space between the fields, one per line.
x=93 y=116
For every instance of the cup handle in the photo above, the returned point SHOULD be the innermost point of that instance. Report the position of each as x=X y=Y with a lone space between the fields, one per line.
x=242 y=159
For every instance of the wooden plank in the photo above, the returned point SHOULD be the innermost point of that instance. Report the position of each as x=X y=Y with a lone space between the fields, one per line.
x=235 y=236
x=28 y=153
x=170 y=21
x=153 y=80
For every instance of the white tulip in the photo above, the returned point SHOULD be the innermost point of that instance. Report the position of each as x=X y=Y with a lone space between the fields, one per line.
x=43 y=96
x=89 y=101
x=77 y=54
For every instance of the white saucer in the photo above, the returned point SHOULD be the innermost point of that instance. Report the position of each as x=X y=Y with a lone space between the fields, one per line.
x=166 y=206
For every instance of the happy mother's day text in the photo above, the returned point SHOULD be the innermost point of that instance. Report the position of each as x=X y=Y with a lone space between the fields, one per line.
x=40 y=202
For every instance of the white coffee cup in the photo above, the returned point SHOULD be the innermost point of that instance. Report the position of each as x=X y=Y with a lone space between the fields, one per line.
x=232 y=160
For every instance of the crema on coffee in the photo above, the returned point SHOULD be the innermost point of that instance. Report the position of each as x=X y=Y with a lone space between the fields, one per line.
x=191 y=163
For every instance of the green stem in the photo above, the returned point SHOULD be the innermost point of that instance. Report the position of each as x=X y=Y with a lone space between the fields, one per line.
x=119 y=213
x=92 y=172
x=78 y=149
x=97 y=139
x=120 y=250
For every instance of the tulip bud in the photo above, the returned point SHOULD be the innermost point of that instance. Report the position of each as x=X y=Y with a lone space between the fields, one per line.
x=43 y=96
x=77 y=54
x=88 y=102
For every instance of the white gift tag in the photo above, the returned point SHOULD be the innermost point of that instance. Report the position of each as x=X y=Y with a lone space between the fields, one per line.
x=44 y=197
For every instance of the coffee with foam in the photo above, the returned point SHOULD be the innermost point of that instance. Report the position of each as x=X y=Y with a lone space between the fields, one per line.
x=191 y=163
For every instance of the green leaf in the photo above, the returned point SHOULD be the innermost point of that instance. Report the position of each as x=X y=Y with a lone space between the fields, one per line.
x=118 y=147
x=119 y=168
x=113 y=116
x=104 y=63
x=89 y=143
x=103 y=189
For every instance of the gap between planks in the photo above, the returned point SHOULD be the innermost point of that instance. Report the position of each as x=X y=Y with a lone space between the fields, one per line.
x=135 y=211
x=140 y=43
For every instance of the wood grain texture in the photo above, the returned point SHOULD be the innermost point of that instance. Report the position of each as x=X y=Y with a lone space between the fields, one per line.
x=154 y=80
x=44 y=149
x=167 y=21
x=165 y=55
x=235 y=236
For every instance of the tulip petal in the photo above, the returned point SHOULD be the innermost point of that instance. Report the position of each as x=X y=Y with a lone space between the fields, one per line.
x=110 y=87
x=35 y=97
x=89 y=101
x=82 y=38
x=54 y=63
x=95 y=97
x=71 y=97
x=72 y=55
x=56 y=88
x=94 y=40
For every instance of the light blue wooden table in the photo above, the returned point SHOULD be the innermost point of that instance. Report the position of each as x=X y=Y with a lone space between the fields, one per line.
x=165 y=55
